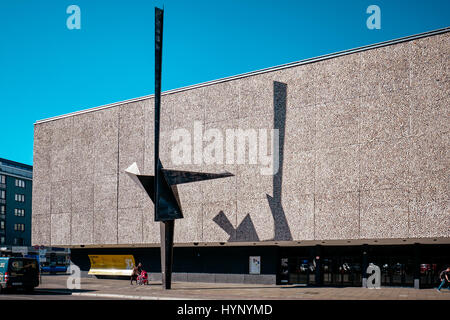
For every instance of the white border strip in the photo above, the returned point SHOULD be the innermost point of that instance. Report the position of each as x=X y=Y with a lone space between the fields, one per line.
x=124 y=296
x=252 y=73
x=113 y=296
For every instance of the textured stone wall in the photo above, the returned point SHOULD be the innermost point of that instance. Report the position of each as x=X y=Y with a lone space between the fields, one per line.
x=364 y=156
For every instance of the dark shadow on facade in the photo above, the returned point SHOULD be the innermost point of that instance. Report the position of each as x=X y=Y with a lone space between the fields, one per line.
x=222 y=221
x=281 y=227
x=246 y=230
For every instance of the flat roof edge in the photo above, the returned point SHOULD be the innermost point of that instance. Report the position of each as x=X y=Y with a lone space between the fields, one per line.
x=24 y=166
x=256 y=72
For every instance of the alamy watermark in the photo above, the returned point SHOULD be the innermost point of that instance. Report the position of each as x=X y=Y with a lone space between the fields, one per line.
x=229 y=146
x=74 y=280
x=374 y=20
x=374 y=280
x=74 y=20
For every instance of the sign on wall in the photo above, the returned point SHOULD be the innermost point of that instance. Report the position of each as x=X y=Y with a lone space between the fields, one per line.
x=255 y=265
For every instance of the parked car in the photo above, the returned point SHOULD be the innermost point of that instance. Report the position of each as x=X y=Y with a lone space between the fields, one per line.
x=18 y=272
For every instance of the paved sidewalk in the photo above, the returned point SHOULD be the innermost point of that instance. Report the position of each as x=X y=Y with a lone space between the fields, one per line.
x=121 y=289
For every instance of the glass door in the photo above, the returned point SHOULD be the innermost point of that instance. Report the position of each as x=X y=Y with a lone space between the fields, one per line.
x=396 y=272
x=329 y=272
x=427 y=274
x=301 y=271
x=349 y=272
x=284 y=271
x=342 y=271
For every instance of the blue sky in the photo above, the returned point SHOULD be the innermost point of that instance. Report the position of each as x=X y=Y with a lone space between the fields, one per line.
x=48 y=70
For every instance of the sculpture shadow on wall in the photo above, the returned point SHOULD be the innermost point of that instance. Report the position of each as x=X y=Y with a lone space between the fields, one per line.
x=246 y=231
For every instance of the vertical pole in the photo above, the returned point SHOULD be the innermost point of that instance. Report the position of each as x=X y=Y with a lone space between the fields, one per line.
x=167 y=232
x=166 y=227
x=159 y=15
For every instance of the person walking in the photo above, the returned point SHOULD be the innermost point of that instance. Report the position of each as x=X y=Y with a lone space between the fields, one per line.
x=445 y=278
x=134 y=274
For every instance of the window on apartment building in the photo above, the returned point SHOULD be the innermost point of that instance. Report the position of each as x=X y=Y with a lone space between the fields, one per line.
x=20 y=183
x=2 y=194
x=19 y=212
x=2 y=209
x=2 y=240
x=20 y=197
x=18 y=241
x=2 y=225
x=19 y=227
x=2 y=179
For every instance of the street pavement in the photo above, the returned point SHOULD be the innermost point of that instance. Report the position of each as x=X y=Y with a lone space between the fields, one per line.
x=54 y=287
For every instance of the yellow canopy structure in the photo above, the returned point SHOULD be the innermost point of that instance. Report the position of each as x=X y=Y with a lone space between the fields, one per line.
x=111 y=265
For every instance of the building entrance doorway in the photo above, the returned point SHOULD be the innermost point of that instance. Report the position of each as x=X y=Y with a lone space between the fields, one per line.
x=342 y=271
x=396 y=270
x=400 y=265
x=301 y=271
x=397 y=273
x=297 y=266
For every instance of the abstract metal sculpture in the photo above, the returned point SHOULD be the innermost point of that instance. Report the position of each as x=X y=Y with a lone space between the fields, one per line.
x=161 y=187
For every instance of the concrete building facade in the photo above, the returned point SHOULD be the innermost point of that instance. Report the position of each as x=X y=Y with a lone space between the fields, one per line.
x=363 y=161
